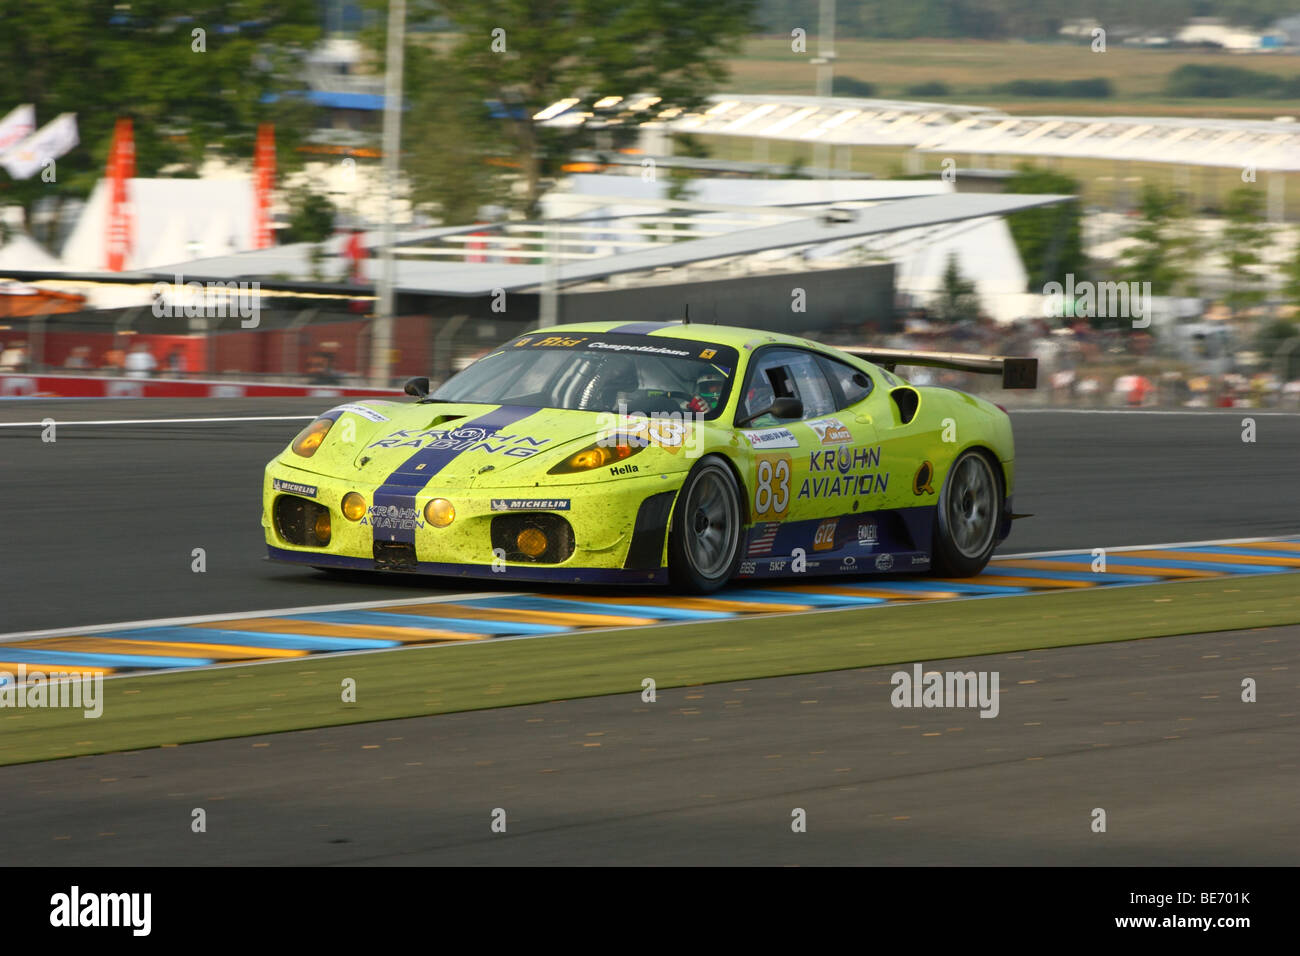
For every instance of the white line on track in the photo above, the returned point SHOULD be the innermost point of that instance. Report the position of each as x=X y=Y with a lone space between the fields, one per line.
x=452 y=598
x=1250 y=412
x=1143 y=547
x=162 y=421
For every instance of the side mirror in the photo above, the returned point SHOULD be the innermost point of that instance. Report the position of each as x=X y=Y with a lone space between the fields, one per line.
x=780 y=408
x=786 y=408
x=419 y=387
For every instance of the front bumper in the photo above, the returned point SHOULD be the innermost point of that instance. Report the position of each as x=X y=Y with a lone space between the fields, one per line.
x=619 y=528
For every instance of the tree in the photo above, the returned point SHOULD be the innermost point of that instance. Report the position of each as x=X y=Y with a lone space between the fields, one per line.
x=957 y=297
x=1244 y=236
x=311 y=217
x=1291 y=276
x=1272 y=338
x=450 y=141
x=1165 y=251
x=527 y=54
x=188 y=94
x=1048 y=238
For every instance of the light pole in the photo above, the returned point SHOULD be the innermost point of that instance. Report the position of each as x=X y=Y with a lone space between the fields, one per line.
x=825 y=63
x=381 y=339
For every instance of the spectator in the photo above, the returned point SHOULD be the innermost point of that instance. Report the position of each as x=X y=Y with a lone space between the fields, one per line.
x=114 y=359
x=79 y=357
x=14 y=358
x=320 y=365
x=176 y=360
x=140 y=362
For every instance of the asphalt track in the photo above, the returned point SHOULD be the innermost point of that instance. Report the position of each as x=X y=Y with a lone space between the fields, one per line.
x=101 y=524
x=1152 y=732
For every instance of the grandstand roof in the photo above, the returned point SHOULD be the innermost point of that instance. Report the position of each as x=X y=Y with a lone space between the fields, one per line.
x=948 y=128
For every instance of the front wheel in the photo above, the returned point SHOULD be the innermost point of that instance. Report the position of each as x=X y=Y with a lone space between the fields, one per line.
x=704 y=540
x=966 y=525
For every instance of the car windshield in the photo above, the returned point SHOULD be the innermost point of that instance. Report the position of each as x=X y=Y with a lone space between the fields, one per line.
x=620 y=373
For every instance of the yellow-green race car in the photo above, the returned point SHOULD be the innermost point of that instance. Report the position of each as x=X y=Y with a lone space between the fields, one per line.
x=656 y=453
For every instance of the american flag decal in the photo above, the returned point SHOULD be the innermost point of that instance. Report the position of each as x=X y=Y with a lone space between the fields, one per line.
x=763 y=536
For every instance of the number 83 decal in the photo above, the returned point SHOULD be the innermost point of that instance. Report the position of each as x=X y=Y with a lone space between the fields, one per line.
x=772 y=490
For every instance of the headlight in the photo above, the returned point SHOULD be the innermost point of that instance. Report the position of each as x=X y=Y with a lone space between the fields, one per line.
x=322 y=527
x=354 y=506
x=310 y=438
x=595 y=456
x=439 y=512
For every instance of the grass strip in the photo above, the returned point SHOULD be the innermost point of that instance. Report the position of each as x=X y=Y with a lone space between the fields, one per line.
x=172 y=709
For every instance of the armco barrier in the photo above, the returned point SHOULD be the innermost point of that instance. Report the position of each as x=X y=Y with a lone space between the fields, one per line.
x=100 y=386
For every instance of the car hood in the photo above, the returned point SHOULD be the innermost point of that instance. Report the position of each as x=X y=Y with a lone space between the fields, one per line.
x=482 y=445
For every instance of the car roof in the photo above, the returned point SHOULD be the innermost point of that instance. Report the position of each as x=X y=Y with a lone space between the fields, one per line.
x=738 y=338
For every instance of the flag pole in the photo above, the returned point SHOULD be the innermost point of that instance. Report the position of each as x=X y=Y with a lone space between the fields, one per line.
x=381 y=341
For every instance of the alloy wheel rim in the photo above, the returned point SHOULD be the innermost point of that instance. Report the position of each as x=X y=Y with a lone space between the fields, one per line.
x=971 y=505
x=712 y=517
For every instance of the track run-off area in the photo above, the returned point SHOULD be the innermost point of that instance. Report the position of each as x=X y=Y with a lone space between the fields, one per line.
x=181 y=644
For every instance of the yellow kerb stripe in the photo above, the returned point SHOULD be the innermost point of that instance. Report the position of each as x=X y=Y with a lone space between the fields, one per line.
x=46 y=668
x=407 y=635
x=1114 y=567
x=1217 y=558
x=572 y=618
x=103 y=645
x=868 y=592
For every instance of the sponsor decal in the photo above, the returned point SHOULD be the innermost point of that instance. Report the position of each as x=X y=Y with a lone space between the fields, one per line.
x=558 y=342
x=468 y=438
x=747 y=567
x=776 y=565
x=624 y=469
x=293 y=487
x=671 y=431
x=824 y=539
x=764 y=536
x=844 y=472
x=921 y=480
x=393 y=518
x=708 y=353
x=884 y=562
x=849 y=563
x=919 y=559
x=639 y=349
x=367 y=413
x=772 y=485
x=772 y=438
x=867 y=536
x=530 y=504
x=831 y=431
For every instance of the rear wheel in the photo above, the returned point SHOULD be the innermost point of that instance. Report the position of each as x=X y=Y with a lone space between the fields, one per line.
x=704 y=540
x=966 y=525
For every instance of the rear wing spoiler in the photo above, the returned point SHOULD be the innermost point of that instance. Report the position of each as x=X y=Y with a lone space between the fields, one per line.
x=1016 y=372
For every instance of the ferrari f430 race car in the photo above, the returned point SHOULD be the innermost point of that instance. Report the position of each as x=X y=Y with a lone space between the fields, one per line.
x=656 y=453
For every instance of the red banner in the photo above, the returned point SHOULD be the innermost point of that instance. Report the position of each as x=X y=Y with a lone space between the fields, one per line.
x=263 y=183
x=121 y=167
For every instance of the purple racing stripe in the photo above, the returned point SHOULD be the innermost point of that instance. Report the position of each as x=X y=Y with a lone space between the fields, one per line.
x=396 y=495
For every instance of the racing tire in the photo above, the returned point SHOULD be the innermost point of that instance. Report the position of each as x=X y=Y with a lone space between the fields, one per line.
x=704 y=538
x=967 y=517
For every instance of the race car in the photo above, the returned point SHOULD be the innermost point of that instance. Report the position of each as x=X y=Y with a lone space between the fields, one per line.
x=656 y=453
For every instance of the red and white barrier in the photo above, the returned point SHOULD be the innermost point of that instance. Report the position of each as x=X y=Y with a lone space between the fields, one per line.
x=18 y=385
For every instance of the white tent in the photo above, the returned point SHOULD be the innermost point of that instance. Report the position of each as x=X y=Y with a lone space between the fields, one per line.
x=22 y=253
x=173 y=220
